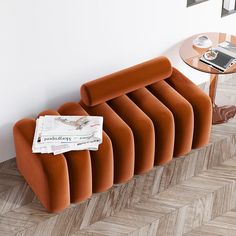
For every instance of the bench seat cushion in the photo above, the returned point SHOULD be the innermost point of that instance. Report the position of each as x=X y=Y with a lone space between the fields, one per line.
x=102 y=159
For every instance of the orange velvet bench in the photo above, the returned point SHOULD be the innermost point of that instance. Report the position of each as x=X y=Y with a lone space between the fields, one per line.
x=151 y=113
x=150 y=92
x=66 y=178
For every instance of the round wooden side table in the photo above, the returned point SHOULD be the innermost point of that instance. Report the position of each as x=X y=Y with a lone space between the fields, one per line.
x=191 y=55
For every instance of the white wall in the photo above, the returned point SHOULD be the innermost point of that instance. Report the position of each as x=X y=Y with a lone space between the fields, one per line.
x=48 y=48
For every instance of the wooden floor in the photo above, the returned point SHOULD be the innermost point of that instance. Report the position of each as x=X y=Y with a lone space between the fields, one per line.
x=193 y=195
x=177 y=210
x=224 y=225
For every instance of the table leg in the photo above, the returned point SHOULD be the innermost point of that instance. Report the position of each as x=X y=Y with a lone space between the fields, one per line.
x=212 y=88
x=220 y=114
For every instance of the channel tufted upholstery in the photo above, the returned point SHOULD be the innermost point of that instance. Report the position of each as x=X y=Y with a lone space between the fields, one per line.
x=101 y=160
x=182 y=112
x=140 y=124
x=151 y=113
x=122 y=140
x=43 y=172
x=201 y=104
x=163 y=122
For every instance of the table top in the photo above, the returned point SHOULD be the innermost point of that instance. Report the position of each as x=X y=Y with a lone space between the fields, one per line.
x=191 y=54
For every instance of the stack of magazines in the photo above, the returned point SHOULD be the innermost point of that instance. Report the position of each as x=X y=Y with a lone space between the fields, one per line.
x=59 y=134
x=221 y=57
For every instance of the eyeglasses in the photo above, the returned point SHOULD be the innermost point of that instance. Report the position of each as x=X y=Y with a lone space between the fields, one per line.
x=210 y=55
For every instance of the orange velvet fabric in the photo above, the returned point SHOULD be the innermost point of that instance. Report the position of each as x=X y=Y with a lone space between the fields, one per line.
x=143 y=131
x=80 y=171
x=46 y=174
x=122 y=141
x=102 y=159
x=163 y=121
x=201 y=104
x=125 y=81
x=151 y=112
x=182 y=112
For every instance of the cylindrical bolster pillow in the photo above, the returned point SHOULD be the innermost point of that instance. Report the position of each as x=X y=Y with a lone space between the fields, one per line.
x=125 y=81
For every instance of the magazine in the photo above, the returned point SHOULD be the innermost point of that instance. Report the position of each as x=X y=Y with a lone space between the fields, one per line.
x=59 y=134
x=221 y=57
x=228 y=48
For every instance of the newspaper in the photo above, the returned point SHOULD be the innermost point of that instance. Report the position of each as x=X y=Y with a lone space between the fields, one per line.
x=59 y=134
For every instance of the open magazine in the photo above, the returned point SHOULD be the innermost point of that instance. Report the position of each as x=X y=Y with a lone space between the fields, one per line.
x=221 y=57
x=228 y=48
x=59 y=134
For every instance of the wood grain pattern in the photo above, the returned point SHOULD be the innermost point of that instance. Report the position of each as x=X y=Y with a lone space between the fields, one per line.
x=178 y=209
x=224 y=225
